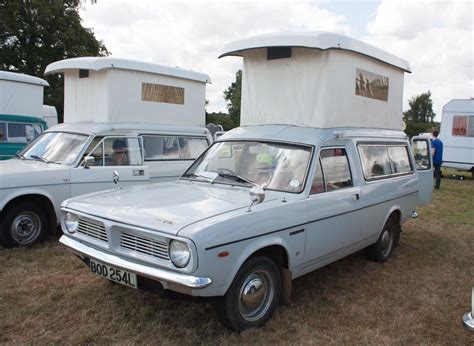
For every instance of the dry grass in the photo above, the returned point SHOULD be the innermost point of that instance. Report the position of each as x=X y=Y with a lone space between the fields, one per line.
x=418 y=297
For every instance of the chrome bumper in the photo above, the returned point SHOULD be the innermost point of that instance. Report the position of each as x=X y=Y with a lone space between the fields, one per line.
x=189 y=281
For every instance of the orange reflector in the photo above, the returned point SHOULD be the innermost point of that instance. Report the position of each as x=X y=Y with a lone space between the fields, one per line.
x=223 y=254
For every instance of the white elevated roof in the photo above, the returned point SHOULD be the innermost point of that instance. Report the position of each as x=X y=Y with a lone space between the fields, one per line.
x=102 y=63
x=317 y=40
x=22 y=78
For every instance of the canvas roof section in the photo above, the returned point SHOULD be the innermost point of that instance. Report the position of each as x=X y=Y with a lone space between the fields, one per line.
x=22 y=78
x=314 y=40
x=102 y=63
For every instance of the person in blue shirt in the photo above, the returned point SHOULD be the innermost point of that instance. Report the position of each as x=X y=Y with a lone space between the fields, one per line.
x=437 y=152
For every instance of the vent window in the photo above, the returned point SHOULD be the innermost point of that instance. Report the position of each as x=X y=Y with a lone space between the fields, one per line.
x=274 y=53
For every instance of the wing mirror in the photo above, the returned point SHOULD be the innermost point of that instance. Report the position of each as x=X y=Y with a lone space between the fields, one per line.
x=257 y=196
x=116 y=179
x=89 y=161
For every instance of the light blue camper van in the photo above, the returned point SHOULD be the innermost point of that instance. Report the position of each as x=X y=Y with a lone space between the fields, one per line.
x=21 y=111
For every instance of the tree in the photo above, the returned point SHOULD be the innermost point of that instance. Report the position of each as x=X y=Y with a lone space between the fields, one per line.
x=420 y=117
x=221 y=119
x=233 y=95
x=35 y=33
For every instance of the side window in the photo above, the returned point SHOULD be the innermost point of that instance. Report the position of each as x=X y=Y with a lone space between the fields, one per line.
x=463 y=125
x=173 y=147
x=384 y=161
x=335 y=167
x=3 y=132
x=191 y=148
x=17 y=133
x=317 y=185
x=122 y=151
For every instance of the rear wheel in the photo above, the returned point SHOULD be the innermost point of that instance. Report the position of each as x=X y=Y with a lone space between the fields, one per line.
x=23 y=224
x=388 y=240
x=253 y=295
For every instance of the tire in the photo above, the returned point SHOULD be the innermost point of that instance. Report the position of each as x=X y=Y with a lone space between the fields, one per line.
x=23 y=224
x=237 y=313
x=388 y=240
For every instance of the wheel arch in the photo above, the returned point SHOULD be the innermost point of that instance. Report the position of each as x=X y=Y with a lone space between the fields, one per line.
x=395 y=211
x=43 y=201
x=274 y=249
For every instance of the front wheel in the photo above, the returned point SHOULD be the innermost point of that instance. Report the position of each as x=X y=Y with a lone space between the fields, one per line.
x=253 y=295
x=23 y=224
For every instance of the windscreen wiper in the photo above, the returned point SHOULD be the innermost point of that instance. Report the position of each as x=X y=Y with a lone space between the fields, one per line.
x=209 y=176
x=42 y=159
x=236 y=177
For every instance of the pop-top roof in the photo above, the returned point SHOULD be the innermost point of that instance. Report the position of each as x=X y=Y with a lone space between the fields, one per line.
x=315 y=40
x=102 y=63
x=22 y=78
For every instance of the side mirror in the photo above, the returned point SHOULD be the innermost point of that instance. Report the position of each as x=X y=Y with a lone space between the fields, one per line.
x=116 y=179
x=257 y=196
x=89 y=161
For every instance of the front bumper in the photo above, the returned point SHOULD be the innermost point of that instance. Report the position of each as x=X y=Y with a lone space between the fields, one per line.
x=161 y=275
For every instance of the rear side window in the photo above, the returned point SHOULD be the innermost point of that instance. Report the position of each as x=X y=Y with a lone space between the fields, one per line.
x=381 y=161
x=173 y=147
x=332 y=171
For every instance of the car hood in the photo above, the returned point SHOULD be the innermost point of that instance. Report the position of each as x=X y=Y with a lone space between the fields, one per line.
x=16 y=173
x=166 y=207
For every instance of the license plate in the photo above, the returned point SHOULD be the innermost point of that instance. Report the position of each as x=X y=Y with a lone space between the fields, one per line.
x=114 y=274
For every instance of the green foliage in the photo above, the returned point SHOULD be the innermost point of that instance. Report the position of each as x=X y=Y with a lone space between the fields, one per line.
x=420 y=117
x=233 y=95
x=35 y=33
x=221 y=119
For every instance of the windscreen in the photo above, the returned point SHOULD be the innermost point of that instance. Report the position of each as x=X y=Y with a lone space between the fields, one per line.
x=56 y=147
x=274 y=166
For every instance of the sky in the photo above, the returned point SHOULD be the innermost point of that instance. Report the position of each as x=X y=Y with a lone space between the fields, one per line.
x=435 y=37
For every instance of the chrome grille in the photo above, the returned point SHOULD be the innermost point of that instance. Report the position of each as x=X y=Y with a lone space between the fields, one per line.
x=92 y=229
x=146 y=246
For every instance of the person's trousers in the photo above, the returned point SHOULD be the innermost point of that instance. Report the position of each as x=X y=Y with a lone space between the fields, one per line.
x=437 y=175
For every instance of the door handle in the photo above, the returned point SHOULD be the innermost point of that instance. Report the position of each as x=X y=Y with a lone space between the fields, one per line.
x=355 y=197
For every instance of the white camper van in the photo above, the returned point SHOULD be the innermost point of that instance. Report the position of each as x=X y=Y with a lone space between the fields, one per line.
x=102 y=98
x=457 y=134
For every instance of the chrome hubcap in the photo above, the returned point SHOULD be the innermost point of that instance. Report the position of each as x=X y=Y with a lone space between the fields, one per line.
x=256 y=295
x=25 y=227
x=387 y=243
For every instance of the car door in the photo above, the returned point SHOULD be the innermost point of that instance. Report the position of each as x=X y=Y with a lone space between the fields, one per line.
x=333 y=209
x=424 y=162
x=123 y=154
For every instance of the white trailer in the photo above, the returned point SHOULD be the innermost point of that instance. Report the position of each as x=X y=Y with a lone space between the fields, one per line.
x=457 y=134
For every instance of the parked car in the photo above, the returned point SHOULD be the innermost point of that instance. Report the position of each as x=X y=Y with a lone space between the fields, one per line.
x=16 y=131
x=316 y=195
x=76 y=158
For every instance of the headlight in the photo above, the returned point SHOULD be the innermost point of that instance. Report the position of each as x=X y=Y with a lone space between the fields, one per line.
x=71 y=221
x=180 y=253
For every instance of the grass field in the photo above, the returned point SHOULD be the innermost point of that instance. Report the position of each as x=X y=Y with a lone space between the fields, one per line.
x=418 y=297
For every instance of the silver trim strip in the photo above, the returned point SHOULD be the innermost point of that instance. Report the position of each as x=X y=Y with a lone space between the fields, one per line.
x=195 y=282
